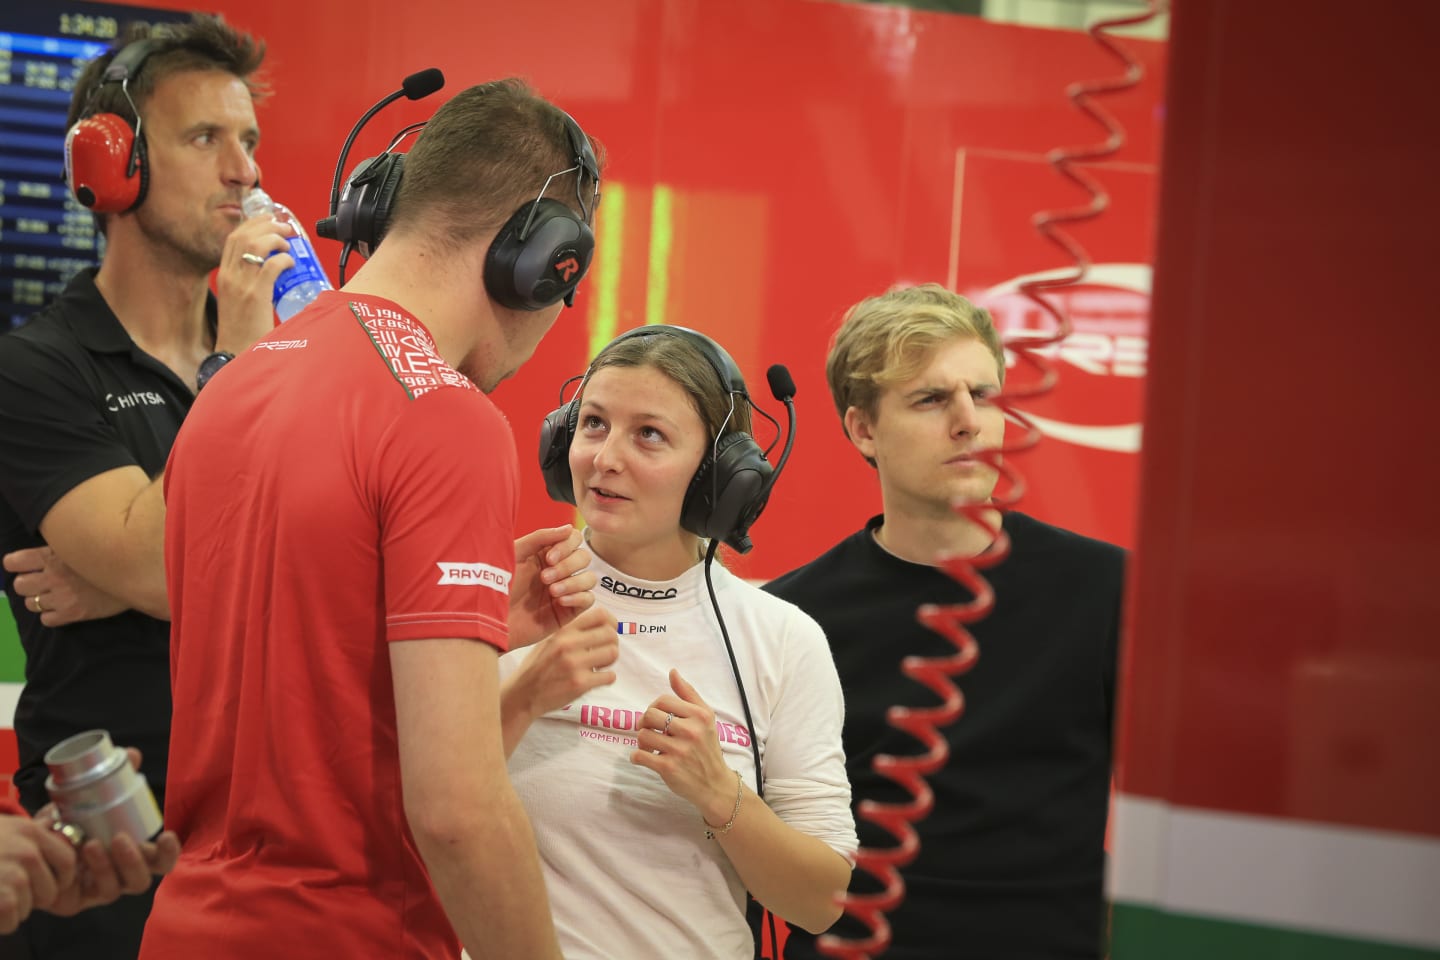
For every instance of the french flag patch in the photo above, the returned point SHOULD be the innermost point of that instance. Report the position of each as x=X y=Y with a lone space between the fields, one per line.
x=624 y=627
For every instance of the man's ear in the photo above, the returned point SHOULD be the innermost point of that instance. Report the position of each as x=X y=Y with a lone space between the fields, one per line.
x=858 y=429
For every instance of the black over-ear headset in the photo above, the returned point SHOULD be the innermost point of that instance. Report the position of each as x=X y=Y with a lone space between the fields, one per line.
x=732 y=484
x=105 y=163
x=538 y=257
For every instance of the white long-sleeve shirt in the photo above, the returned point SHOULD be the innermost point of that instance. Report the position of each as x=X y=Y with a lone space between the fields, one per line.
x=627 y=866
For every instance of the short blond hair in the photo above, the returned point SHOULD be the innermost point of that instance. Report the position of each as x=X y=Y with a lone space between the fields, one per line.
x=887 y=339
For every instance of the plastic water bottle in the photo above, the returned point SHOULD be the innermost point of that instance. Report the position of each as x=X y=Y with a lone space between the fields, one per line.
x=302 y=283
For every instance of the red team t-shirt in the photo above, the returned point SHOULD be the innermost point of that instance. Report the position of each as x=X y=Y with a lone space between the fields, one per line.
x=336 y=489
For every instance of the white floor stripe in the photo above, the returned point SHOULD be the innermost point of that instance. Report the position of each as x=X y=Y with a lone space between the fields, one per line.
x=1346 y=881
x=9 y=695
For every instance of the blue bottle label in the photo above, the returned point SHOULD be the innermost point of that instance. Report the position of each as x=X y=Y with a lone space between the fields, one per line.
x=306 y=270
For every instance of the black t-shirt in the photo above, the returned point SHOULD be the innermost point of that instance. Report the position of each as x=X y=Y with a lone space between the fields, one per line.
x=78 y=398
x=1011 y=861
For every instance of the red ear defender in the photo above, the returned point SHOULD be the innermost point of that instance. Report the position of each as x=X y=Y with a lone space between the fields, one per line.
x=104 y=164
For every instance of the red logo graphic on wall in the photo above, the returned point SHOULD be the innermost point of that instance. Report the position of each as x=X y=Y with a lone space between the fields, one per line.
x=1101 y=364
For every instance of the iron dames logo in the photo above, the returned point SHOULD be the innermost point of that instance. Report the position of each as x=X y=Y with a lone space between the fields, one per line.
x=622 y=589
x=475 y=575
x=618 y=718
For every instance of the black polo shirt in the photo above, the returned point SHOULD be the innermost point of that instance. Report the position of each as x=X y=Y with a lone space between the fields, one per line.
x=78 y=398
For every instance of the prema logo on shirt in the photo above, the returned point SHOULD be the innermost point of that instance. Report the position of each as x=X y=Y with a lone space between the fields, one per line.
x=474 y=575
x=281 y=345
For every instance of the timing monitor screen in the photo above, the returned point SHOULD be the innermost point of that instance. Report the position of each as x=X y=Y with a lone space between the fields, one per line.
x=45 y=236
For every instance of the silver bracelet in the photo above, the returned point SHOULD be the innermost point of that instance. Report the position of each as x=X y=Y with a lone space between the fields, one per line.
x=712 y=832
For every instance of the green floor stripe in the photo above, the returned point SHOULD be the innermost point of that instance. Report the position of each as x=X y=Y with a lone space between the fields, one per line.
x=12 y=657
x=1144 y=933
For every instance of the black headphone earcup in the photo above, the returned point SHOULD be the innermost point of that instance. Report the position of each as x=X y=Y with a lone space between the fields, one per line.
x=362 y=214
x=384 y=201
x=726 y=493
x=544 y=267
x=556 y=432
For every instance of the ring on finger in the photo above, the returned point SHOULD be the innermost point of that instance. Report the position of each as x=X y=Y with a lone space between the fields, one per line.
x=252 y=258
x=665 y=731
x=40 y=609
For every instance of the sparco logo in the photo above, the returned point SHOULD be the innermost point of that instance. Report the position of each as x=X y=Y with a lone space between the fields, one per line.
x=623 y=589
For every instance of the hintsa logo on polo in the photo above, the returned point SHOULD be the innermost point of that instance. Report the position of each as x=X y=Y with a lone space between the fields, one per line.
x=474 y=575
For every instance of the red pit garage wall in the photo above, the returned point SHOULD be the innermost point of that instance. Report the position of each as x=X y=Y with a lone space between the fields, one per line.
x=1279 y=795
x=770 y=163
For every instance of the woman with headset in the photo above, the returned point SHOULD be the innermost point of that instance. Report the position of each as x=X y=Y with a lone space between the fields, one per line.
x=635 y=746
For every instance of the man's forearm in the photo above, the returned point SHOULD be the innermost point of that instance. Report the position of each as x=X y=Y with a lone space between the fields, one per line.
x=111 y=531
x=145 y=587
x=485 y=871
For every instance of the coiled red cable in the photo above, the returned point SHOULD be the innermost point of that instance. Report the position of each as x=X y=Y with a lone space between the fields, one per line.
x=936 y=673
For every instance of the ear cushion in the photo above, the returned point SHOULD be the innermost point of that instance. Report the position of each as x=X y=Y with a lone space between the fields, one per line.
x=362 y=214
x=377 y=223
x=556 y=432
x=142 y=171
x=547 y=264
x=98 y=151
x=725 y=494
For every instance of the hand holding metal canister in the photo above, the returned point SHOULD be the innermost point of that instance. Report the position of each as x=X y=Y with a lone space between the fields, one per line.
x=97 y=792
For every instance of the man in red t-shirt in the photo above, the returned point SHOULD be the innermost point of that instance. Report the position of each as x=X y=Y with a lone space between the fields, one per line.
x=342 y=578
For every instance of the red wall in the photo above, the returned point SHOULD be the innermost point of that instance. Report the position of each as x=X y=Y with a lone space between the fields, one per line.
x=1282 y=678
x=1284 y=634
x=811 y=153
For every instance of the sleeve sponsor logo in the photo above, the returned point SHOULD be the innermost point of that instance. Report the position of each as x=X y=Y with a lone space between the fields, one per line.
x=474 y=575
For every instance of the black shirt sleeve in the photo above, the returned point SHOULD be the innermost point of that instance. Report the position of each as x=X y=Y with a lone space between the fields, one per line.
x=54 y=434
